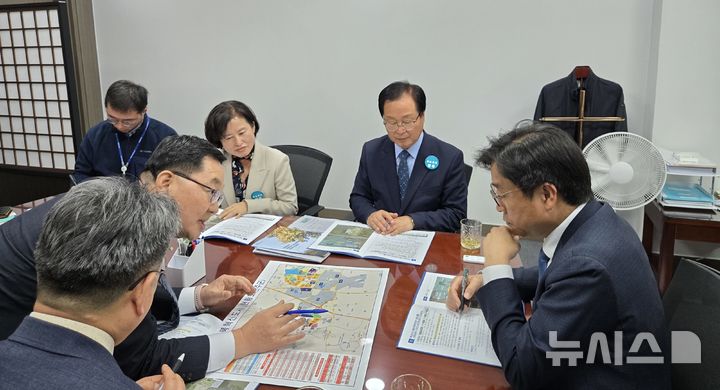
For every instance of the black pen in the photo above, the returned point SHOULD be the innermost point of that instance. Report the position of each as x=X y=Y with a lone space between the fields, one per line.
x=464 y=284
x=175 y=367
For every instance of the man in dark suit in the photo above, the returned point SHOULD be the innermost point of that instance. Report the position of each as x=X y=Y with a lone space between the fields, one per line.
x=198 y=193
x=95 y=285
x=594 y=294
x=408 y=179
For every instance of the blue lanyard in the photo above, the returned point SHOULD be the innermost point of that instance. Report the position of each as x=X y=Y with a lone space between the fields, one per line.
x=124 y=165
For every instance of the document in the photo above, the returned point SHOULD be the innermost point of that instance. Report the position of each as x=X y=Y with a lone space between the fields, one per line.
x=196 y=325
x=432 y=328
x=294 y=241
x=359 y=240
x=335 y=351
x=243 y=229
x=209 y=383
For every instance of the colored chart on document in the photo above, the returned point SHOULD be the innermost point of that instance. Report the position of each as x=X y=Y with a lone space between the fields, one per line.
x=336 y=348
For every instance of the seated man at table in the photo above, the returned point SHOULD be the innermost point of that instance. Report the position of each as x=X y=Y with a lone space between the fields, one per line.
x=189 y=170
x=408 y=179
x=121 y=144
x=593 y=287
x=95 y=285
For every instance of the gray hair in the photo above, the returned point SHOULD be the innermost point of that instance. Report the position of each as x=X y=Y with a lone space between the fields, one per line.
x=103 y=235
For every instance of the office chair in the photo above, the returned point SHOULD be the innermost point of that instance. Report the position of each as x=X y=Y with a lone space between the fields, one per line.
x=468 y=172
x=692 y=303
x=310 y=168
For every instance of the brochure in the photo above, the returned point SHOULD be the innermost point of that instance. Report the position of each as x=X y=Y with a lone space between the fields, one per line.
x=243 y=229
x=294 y=241
x=359 y=240
x=432 y=328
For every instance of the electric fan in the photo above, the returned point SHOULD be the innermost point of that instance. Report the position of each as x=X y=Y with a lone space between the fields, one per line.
x=627 y=172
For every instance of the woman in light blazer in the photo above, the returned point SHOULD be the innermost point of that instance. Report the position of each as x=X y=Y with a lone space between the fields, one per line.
x=257 y=177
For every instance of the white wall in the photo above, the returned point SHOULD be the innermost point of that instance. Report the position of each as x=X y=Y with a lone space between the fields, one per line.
x=312 y=69
x=687 y=96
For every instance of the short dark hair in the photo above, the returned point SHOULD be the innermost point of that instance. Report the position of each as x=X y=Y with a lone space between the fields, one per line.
x=182 y=153
x=535 y=153
x=124 y=95
x=219 y=117
x=98 y=239
x=395 y=90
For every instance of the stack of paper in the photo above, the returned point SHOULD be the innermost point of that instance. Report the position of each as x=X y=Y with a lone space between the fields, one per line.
x=688 y=163
x=687 y=196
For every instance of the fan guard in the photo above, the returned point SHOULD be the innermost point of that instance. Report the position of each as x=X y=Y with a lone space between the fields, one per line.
x=627 y=171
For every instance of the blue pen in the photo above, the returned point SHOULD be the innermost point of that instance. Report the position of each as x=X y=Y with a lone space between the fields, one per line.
x=310 y=311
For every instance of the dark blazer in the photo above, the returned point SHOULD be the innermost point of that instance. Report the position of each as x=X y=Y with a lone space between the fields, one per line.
x=602 y=98
x=41 y=355
x=435 y=199
x=140 y=355
x=599 y=281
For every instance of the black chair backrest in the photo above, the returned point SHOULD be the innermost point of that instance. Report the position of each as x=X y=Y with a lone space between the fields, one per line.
x=468 y=172
x=310 y=168
x=692 y=303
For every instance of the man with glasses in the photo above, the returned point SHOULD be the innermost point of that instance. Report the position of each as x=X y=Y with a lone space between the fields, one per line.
x=95 y=285
x=122 y=143
x=408 y=179
x=189 y=170
x=593 y=282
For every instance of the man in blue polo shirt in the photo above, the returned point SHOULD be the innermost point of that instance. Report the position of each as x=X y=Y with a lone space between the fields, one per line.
x=121 y=144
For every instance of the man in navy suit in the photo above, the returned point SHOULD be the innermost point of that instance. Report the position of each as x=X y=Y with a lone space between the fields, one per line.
x=594 y=294
x=189 y=170
x=408 y=179
x=95 y=285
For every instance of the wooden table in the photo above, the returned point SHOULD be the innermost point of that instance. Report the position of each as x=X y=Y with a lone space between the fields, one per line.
x=674 y=227
x=386 y=360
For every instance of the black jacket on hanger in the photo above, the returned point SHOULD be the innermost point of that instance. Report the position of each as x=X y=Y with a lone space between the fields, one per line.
x=602 y=98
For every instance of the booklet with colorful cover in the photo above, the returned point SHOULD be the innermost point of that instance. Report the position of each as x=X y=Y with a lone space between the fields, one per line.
x=359 y=240
x=294 y=241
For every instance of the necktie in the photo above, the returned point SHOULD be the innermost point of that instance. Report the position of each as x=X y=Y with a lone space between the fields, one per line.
x=174 y=320
x=403 y=173
x=543 y=260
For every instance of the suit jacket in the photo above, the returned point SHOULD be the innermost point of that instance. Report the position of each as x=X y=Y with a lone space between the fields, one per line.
x=434 y=199
x=602 y=98
x=41 y=355
x=269 y=175
x=140 y=355
x=599 y=281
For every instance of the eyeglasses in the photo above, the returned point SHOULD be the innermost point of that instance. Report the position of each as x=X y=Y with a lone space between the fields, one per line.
x=145 y=275
x=392 y=125
x=215 y=195
x=123 y=122
x=499 y=197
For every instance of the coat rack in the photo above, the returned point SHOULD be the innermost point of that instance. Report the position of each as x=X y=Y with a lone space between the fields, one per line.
x=581 y=74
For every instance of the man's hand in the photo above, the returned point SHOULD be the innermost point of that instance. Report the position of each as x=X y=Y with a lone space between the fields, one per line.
x=380 y=221
x=235 y=210
x=224 y=288
x=453 y=297
x=400 y=225
x=169 y=379
x=267 y=330
x=500 y=246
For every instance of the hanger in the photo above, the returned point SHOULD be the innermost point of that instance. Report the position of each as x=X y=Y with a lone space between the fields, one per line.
x=581 y=72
